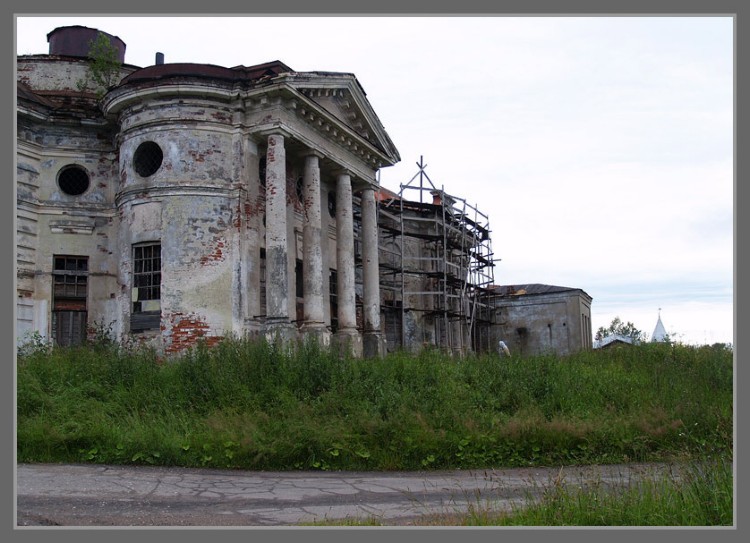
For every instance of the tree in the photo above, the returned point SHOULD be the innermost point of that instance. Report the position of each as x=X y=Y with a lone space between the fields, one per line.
x=617 y=327
x=104 y=66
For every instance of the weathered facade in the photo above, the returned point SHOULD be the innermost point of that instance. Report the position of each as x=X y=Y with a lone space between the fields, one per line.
x=187 y=202
x=192 y=201
x=536 y=319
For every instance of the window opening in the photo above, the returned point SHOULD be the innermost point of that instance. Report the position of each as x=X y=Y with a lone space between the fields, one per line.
x=69 y=294
x=332 y=204
x=299 y=189
x=146 y=294
x=298 y=280
x=73 y=180
x=262 y=171
x=333 y=299
x=299 y=291
x=147 y=158
x=263 y=280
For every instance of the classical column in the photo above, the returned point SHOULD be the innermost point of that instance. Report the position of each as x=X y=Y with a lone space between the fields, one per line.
x=346 y=336
x=277 y=272
x=312 y=279
x=373 y=340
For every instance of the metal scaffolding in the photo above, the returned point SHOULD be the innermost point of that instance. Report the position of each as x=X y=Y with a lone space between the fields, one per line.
x=437 y=269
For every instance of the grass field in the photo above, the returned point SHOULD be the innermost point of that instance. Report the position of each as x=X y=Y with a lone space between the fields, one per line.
x=250 y=405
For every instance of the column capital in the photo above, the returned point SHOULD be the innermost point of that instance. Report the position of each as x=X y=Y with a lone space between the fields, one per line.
x=362 y=184
x=313 y=152
x=274 y=131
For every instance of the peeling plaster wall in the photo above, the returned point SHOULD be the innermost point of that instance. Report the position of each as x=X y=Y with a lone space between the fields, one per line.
x=203 y=207
x=204 y=204
x=542 y=323
x=51 y=222
x=140 y=222
x=197 y=262
x=56 y=73
x=29 y=306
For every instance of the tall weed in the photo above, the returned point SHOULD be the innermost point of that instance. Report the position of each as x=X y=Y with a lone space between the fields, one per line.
x=250 y=404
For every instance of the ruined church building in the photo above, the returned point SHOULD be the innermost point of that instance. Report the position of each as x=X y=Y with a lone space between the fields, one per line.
x=191 y=201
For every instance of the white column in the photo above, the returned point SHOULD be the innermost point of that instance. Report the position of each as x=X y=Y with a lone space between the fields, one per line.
x=312 y=266
x=374 y=344
x=277 y=273
x=345 y=254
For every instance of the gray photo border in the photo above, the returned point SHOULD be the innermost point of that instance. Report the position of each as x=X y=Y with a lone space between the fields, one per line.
x=403 y=7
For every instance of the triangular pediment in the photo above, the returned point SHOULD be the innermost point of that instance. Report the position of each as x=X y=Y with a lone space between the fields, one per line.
x=341 y=96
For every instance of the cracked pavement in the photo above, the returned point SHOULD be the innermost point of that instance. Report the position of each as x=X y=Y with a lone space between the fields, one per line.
x=101 y=495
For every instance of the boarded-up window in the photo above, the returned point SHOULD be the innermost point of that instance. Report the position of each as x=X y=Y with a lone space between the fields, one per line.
x=146 y=293
x=69 y=292
x=69 y=327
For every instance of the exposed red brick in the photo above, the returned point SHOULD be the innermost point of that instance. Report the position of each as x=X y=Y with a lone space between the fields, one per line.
x=186 y=331
x=217 y=255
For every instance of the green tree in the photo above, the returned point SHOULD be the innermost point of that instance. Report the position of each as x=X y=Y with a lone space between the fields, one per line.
x=104 y=66
x=617 y=327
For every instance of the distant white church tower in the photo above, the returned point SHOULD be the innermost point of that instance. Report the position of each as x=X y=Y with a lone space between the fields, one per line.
x=660 y=334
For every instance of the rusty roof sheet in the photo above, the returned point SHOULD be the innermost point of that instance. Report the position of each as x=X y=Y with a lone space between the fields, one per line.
x=210 y=71
x=24 y=92
x=530 y=289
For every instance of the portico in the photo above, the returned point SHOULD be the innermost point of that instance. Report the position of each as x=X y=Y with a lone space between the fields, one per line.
x=280 y=324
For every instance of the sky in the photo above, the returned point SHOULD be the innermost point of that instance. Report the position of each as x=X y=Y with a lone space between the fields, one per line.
x=601 y=148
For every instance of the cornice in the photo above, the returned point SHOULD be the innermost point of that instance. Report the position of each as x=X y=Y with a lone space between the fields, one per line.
x=143 y=191
x=122 y=97
x=362 y=139
x=300 y=101
x=346 y=90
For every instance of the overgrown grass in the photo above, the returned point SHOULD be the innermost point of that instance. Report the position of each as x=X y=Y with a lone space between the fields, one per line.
x=250 y=405
x=700 y=495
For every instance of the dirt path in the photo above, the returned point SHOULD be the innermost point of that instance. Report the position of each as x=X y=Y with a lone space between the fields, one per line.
x=96 y=495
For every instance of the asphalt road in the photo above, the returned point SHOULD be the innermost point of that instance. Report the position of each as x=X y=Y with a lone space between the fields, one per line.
x=98 y=495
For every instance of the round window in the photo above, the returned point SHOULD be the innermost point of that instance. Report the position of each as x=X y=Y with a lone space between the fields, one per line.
x=147 y=158
x=73 y=180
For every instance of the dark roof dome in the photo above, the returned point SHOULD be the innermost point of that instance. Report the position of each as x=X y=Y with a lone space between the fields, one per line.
x=75 y=41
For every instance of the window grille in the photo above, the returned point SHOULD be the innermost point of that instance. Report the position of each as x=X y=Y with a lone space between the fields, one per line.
x=69 y=291
x=146 y=295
